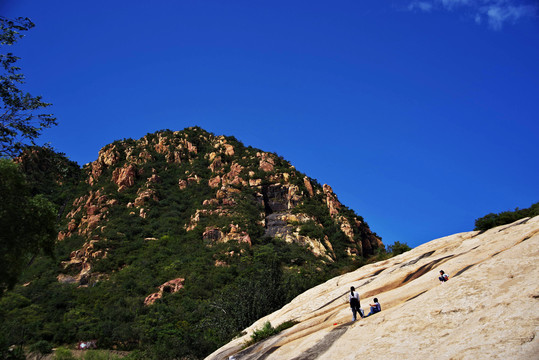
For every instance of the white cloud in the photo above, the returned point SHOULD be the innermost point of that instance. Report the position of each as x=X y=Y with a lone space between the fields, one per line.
x=497 y=15
x=494 y=12
x=420 y=5
x=450 y=4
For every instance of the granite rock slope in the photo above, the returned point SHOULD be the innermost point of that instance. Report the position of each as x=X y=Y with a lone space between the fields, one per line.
x=489 y=309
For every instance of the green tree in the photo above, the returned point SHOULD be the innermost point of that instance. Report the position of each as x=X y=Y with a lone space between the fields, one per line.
x=27 y=224
x=41 y=348
x=505 y=217
x=20 y=118
x=398 y=248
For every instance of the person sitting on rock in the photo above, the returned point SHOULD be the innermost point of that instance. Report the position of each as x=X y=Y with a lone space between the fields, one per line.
x=353 y=298
x=375 y=307
x=443 y=276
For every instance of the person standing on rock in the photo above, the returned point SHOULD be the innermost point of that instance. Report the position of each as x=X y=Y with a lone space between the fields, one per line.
x=355 y=305
x=443 y=276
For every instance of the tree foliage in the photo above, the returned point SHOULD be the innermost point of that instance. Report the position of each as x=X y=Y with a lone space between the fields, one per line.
x=398 y=248
x=505 y=217
x=27 y=224
x=21 y=120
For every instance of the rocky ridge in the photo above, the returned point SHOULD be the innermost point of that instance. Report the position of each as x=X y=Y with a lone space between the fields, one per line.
x=487 y=309
x=128 y=176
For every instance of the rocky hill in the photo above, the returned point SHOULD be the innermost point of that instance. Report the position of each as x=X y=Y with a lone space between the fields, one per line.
x=178 y=241
x=487 y=310
x=244 y=194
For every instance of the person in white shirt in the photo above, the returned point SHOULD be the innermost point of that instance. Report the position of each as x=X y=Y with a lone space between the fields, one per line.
x=355 y=305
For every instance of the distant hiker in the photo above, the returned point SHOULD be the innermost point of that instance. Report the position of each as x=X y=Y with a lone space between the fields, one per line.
x=353 y=298
x=443 y=276
x=375 y=307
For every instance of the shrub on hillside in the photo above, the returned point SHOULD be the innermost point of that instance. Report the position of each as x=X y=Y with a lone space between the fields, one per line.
x=398 y=248
x=63 y=353
x=41 y=347
x=505 y=217
x=268 y=330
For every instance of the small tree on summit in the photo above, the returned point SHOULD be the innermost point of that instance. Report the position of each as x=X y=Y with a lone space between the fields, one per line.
x=20 y=119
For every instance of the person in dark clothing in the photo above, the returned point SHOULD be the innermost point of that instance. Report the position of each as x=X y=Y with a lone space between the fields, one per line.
x=355 y=305
x=443 y=276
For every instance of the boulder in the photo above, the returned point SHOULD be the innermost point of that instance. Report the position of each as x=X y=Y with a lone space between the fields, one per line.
x=214 y=182
x=125 y=176
x=171 y=287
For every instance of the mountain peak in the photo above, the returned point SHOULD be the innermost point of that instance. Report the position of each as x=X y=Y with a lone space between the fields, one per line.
x=173 y=221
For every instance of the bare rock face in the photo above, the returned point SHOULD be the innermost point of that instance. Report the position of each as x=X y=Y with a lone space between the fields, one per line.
x=276 y=197
x=124 y=177
x=487 y=309
x=108 y=156
x=279 y=225
x=182 y=184
x=214 y=182
x=80 y=262
x=215 y=235
x=229 y=149
x=308 y=185
x=89 y=209
x=233 y=176
x=144 y=196
x=333 y=204
x=216 y=164
x=171 y=286
x=266 y=161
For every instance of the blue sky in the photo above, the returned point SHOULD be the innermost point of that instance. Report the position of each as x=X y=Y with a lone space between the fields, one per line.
x=422 y=115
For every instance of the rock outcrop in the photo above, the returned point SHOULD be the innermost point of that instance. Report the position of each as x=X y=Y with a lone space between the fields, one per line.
x=487 y=309
x=171 y=287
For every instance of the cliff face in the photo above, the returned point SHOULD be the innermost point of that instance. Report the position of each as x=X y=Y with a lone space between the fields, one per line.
x=487 y=309
x=236 y=193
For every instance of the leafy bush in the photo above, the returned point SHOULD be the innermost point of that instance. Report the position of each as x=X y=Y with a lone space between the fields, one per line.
x=286 y=325
x=63 y=353
x=505 y=217
x=398 y=248
x=267 y=331
x=42 y=347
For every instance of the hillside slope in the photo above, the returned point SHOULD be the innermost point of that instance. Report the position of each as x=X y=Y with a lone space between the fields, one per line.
x=487 y=310
x=173 y=243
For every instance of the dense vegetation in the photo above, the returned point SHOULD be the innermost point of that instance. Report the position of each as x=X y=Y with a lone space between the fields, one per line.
x=505 y=217
x=216 y=303
x=21 y=210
